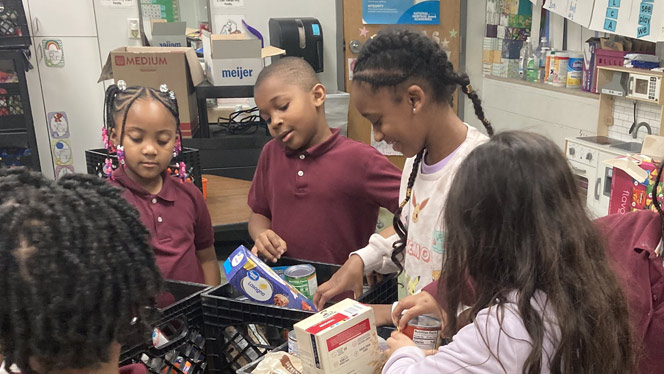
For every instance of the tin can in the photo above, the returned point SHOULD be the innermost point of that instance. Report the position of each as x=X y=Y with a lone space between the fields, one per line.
x=302 y=277
x=424 y=331
x=292 y=343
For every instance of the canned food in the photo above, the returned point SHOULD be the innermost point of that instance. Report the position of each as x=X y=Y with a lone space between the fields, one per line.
x=302 y=277
x=425 y=331
x=292 y=343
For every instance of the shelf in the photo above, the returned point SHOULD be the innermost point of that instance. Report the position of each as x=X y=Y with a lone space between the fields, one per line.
x=546 y=87
x=12 y=123
x=622 y=69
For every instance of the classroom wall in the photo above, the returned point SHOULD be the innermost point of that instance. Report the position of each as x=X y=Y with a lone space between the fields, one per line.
x=513 y=106
x=328 y=13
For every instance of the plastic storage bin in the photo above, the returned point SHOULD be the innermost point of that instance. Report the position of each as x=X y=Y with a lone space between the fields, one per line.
x=183 y=301
x=13 y=25
x=95 y=159
x=224 y=306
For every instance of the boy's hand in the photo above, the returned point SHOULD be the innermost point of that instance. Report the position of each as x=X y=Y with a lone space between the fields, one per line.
x=396 y=341
x=418 y=304
x=348 y=277
x=269 y=245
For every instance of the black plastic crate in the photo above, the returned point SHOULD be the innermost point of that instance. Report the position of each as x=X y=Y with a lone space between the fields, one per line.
x=96 y=158
x=181 y=299
x=183 y=354
x=14 y=31
x=233 y=345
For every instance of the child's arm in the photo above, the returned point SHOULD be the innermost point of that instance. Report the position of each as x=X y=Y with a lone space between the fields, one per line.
x=267 y=242
x=208 y=260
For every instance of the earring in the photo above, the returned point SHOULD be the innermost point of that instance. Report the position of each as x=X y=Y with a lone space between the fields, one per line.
x=121 y=154
x=133 y=321
x=413 y=110
x=177 y=148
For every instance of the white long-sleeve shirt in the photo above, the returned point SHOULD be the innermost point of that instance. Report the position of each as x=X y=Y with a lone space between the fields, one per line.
x=485 y=345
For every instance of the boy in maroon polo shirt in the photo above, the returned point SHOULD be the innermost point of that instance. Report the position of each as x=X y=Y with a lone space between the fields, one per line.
x=142 y=124
x=316 y=194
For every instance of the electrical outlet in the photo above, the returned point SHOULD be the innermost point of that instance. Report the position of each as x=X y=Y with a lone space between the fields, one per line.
x=133 y=28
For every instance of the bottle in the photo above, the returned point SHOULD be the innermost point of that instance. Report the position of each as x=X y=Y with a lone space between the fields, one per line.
x=541 y=56
x=523 y=59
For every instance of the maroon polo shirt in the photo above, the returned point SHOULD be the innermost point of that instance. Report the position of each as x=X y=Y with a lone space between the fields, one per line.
x=179 y=223
x=324 y=201
x=631 y=240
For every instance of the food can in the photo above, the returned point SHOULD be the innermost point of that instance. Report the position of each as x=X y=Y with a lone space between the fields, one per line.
x=292 y=343
x=302 y=277
x=424 y=331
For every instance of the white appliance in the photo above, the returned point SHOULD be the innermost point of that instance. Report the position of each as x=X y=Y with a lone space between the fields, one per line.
x=643 y=86
x=85 y=30
x=586 y=157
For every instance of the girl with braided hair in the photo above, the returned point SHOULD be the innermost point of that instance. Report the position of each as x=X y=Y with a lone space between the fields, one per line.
x=141 y=124
x=403 y=83
x=77 y=274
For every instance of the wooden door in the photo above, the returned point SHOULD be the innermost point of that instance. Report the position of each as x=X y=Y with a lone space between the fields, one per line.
x=448 y=33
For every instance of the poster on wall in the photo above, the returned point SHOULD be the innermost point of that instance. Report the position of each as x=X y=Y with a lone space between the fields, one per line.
x=62 y=153
x=58 y=125
x=401 y=12
x=54 y=55
x=641 y=19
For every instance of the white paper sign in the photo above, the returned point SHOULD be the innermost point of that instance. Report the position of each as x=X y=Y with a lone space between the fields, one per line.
x=641 y=19
x=227 y=3
x=580 y=11
x=557 y=6
x=118 y=3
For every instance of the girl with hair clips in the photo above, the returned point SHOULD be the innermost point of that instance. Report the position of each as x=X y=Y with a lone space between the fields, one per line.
x=546 y=298
x=403 y=83
x=77 y=274
x=142 y=126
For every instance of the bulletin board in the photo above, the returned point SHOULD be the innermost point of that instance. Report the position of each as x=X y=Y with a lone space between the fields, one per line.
x=447 y=33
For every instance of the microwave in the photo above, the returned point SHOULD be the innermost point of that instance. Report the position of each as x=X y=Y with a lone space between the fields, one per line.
x=642 y=86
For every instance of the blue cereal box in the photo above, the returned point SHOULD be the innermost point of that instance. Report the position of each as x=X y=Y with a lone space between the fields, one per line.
x=260 y=283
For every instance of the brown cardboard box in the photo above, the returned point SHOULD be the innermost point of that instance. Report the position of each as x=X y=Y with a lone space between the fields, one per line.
x=153 y=66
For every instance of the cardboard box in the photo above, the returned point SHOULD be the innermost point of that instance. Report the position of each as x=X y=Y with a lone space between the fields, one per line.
x=169 y=34
x=634 y=177
x=178 y=67
x=258 y=282
x=341 y=339
x=234 y=60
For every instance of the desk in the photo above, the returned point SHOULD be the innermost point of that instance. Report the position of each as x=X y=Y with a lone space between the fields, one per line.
x=227 y=203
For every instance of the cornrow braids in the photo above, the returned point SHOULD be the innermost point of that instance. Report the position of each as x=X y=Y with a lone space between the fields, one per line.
x=393 y=57
x=119 y=100
x=399 y=226
x=76 y=268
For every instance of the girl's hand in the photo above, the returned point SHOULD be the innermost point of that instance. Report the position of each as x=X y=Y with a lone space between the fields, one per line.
x=396 y=341
x=418 y=304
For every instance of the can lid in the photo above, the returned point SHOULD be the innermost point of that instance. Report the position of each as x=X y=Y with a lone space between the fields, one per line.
x=299 y=270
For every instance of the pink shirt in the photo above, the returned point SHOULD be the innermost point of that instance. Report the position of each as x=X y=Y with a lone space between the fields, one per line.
x=324 y=201
x=179 y=223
